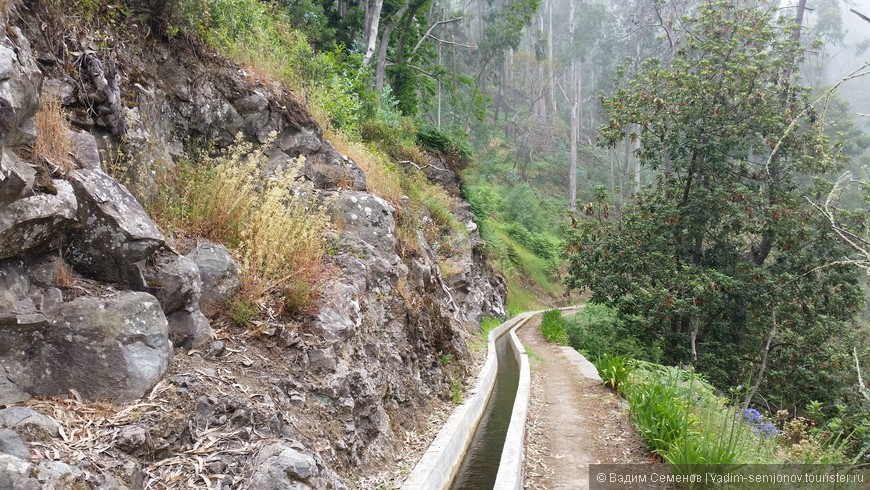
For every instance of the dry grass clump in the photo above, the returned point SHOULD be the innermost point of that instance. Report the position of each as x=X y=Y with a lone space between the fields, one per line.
x=277 y=237
x=53 y=144
x=282 y=247
x=382 y=178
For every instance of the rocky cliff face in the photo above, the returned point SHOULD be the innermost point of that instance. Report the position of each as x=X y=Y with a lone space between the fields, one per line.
x=95 y=303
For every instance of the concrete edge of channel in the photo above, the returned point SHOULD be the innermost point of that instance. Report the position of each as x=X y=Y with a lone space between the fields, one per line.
x=510 y=468
x=442 y=460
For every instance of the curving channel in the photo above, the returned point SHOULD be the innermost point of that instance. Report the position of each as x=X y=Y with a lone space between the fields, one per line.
x=481 y=463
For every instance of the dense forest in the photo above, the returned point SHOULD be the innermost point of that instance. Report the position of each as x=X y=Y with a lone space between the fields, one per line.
x=695 y=168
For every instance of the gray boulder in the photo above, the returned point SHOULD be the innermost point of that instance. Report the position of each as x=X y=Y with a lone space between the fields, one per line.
x=115 y=232
x=35 y=223
x=85 y=150
x=324 y=165
x=11 y=443
x=189 y=330
x=20 y=84
x=116 y=348
x=219 y=273
x=368 y=218
x=16 y=177
x=9 y=391
x=174 y=281
x=28 y=422
x=282 y=467
x=18 y=474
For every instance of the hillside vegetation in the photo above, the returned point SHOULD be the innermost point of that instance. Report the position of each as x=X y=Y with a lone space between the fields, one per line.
x=695 y=173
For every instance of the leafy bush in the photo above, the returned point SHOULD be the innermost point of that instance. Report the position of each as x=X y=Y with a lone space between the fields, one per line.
x=484 y=200
x=537 y=243
x=553 y=327
x=614 y=370
x=433 y=139
x=598 y=331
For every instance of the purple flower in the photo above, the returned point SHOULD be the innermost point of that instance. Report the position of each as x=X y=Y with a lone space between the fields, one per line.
x=766 y=430
x=752 y=416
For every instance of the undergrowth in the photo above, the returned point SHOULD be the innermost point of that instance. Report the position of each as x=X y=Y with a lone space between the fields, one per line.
x=277 y=237
x=553 y=327
x=53 y=144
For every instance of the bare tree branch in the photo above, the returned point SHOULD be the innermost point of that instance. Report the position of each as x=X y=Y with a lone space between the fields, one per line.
x=432 y=28
x=859 y=14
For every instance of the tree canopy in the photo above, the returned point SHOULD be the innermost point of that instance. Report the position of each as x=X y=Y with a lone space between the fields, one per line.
x=721 y=259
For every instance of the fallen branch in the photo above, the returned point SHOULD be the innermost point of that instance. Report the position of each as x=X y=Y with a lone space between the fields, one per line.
x=424 y=167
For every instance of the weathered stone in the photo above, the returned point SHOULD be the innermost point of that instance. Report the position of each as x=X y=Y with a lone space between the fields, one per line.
x=116 y=348
x=340 y=317
x=85 y=150
x=35 y=223
x=438 y=172
x=20 y=83
x=62 y=89
x=16 y=177
x=174 y=280
x=330 y=170
x=219 y=273
x=281 y=467
x=11 y=443
x=189 y=330
x=132 y=439
x=368 y=218
x=18 y=474
x=115 y=232
x=29 y=422
x=9 y=391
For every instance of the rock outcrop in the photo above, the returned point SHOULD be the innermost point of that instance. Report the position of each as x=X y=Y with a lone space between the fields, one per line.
x=93 y=296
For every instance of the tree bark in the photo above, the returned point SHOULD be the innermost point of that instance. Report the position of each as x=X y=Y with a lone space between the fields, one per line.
x=373 y=19
x=575 y=130
x=381 y=66
x=550 y=62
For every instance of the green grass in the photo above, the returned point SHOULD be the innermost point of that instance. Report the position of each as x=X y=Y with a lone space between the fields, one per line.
x=533 y=356
x=682 y=420
x=553 y=327
x=488 y=324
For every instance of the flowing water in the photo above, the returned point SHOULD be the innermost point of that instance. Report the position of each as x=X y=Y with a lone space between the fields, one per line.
x=480 y=466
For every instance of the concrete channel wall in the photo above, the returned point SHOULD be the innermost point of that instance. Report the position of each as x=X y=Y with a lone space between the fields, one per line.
x=441 y=462
x=510 y=468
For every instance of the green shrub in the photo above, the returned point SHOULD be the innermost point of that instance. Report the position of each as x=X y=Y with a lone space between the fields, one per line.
x=597 y=331
x=433 y=139
x=537 y=243
x=614 y=370
x=484 y=200
x=553 y=327
x=661 y=415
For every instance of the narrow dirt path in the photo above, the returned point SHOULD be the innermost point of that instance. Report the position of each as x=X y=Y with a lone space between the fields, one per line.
x=573 y=421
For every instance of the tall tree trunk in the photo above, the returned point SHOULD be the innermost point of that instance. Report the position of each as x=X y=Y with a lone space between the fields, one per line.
x=575 y=130
x=551 y=83
x=381 y=66
x=572 y=171
x=628 y=165
x=796 y=35
x=373 y=20
x=616 y=203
